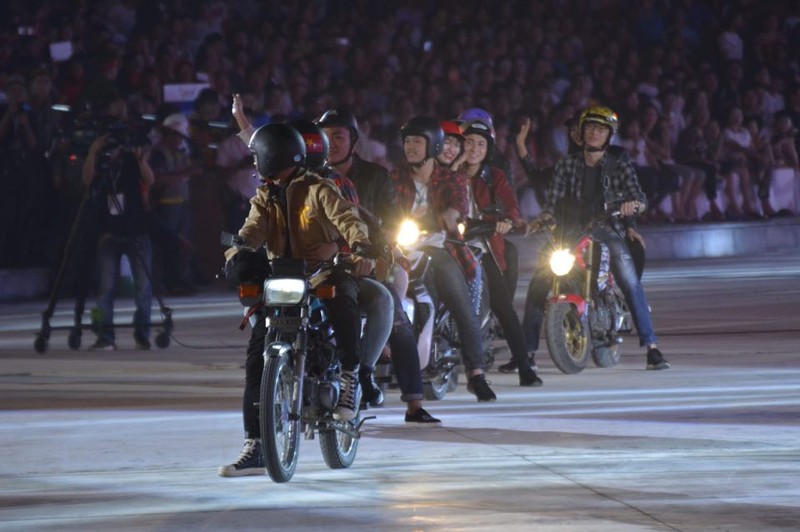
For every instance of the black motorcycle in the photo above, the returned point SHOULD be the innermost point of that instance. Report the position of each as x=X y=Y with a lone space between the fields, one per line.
x=300 y=384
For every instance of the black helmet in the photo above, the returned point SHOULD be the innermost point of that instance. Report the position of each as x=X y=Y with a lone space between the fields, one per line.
x=277 y=147
x=316 y=142
x=425 y=126
x=340 y=118
x=479 y=127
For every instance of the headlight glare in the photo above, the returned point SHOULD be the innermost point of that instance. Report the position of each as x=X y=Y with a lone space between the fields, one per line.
x=408 y=233
x=284 y=291
x=561 y=262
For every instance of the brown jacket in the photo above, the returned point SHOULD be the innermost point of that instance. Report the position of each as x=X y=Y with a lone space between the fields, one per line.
x=317 y=214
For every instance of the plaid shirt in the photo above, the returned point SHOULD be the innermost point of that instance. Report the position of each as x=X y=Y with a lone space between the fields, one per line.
x=446 y=190
x=617 y=174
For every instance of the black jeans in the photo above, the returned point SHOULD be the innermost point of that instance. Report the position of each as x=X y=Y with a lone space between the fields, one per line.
x=448 y=285
x=405 y=356
x=502 y=305
x=512 y=268
x=345 y=318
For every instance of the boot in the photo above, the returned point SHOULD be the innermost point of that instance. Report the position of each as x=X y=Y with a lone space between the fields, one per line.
x=371 y=393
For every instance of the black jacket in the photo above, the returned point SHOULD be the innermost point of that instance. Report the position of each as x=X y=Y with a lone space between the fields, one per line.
x=376 y=191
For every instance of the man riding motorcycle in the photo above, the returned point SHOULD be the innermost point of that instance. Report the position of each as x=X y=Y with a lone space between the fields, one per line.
x=293 y=212
x=593 y=178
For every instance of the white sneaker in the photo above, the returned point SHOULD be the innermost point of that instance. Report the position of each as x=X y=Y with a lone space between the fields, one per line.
x=349 y=397
x=250 y=461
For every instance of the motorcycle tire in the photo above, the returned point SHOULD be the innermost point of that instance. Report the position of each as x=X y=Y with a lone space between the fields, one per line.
x=567 y=338
x=339 y=448
x=436 y=389
x=280 y=434
x=606 y=356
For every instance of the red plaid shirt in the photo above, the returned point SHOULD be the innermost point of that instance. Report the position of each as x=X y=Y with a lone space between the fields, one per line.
x=446 y=189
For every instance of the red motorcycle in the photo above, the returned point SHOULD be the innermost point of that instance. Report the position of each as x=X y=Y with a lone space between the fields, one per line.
x=586 y=313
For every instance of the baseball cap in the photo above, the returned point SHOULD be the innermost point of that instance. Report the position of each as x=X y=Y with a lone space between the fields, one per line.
x=178 y=123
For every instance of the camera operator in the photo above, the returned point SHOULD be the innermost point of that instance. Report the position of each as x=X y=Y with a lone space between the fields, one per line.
x=121 y=178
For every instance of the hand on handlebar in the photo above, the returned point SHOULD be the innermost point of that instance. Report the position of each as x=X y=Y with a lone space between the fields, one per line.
x=544 y=221
x=503 y=226
x=362 y=266
x=631 y=208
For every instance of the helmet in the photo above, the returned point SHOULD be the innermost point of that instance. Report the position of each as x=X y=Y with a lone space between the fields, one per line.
x=340 y=118
x=277 y=147
x=425 y=126
x=451 y=127
x=600 y=115
x=479 y=127
x=476 y=113
x=316 y=142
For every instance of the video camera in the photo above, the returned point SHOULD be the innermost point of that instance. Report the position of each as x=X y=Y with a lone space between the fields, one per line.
x=127 y=135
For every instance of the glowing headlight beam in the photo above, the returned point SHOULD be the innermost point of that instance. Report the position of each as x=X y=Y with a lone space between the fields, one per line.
x=561 y=262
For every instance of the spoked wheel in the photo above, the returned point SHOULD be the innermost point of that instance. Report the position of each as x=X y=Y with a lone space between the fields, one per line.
x=339 y=448
x=280 y=433
x=567 y=338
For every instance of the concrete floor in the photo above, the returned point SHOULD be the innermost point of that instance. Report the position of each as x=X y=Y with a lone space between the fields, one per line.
x=131 y=440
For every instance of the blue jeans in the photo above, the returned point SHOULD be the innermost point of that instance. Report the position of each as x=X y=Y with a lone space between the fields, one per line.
x=448 y=286
x=110 y=250
x=375 y=302
x=624 y=270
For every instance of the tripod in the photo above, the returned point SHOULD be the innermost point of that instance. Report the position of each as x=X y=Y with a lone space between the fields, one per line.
x=76 y=235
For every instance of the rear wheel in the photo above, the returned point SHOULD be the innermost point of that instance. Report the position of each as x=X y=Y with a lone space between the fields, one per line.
x=567 y=338
x=280 y=433
x=339 y=448
x=606 y=356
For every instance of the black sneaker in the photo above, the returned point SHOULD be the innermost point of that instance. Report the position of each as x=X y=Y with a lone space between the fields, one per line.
x=478 y=386
x=421 y=418
x=530 y=378
x=142 y=343
x=250 y=461
x=655 y=360
x=349 y=397
x=371 y=393
x=511 y=366
x=103 y=344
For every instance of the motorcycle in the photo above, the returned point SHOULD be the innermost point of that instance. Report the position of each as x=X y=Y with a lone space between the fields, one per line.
x=300 y=384
x=586 y=313
x=437 y=339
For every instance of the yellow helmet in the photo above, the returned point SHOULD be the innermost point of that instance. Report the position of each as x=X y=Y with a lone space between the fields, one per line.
x=600 y=115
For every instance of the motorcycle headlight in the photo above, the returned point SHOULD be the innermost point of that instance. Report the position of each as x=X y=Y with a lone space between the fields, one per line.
x=287 y=291
x=408 y=233
x=561 y=262
x=462 y=228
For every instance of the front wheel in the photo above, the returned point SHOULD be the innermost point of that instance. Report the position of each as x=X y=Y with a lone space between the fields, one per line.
x=339 y=448
x=567 y=338
x=280 y=433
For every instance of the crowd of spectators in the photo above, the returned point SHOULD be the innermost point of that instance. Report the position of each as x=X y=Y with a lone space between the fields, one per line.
x=687 y=77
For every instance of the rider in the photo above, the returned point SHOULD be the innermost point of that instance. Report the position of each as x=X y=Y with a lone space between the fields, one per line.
x=437 y=199
x=591 y=178
x=541 y=279
x=376 y=193
x=489 y=189
x=292 y=214
x=452 y=155
x=374 y=299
